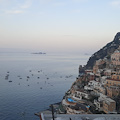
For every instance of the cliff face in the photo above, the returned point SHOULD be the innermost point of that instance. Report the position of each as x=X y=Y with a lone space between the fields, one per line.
x=106 y=51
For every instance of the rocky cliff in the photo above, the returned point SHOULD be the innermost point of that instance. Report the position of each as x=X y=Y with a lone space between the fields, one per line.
x=106 y=51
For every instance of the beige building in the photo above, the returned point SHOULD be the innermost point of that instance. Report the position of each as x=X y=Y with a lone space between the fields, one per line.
x=106 y=104
x=115 y=58
x=109 y=106
x=116 y=76
x=114 y=80
x=113 y=85
x=113 y=91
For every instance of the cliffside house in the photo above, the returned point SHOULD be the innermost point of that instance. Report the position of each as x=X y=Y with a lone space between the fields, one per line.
x=109 y=106
x=105 y=104
x=79 y=95
x=115 y=57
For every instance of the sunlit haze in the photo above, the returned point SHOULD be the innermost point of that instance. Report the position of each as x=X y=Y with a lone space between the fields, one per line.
x=63 y=26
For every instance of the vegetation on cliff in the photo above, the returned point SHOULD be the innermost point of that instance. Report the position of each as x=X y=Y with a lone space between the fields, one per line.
x=106 y=51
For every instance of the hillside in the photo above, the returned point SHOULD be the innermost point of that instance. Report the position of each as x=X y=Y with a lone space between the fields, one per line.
x=105 y=51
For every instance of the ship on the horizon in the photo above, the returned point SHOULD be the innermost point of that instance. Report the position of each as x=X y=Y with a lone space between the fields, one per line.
x=39 y=53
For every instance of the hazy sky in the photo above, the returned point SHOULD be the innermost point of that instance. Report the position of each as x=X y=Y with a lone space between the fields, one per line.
x=58 y=25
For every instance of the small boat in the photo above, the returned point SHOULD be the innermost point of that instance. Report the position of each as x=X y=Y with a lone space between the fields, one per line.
x=10 y=81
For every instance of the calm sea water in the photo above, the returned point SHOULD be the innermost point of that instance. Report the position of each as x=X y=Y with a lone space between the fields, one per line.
x=34 y=82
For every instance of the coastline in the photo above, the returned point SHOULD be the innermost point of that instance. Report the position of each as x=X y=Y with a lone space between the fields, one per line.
x=97 y=86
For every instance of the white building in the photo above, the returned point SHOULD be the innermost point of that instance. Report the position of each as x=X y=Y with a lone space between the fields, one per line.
x=94 y=84
x=78 y=95
x=88 y=87
x=103 y=80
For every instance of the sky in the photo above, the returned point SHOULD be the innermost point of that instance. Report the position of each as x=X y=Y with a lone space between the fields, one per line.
x=63 y=26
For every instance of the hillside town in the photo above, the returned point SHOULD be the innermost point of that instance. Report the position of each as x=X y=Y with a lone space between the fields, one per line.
x=96 y=90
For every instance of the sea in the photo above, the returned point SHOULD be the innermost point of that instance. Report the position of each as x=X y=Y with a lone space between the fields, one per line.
x=30 y=83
